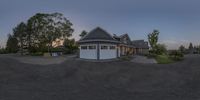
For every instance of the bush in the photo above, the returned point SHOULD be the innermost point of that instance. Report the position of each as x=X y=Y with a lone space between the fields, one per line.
x=160 y=49
x=37 y=54
x=163 y=59
x=57 y=50
x=3 y=51
x=176 y=55
x=151 y=55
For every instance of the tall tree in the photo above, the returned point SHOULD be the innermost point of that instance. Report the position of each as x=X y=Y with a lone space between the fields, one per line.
x=46 y=28
x=190 y=46
x=12 y=44
x=182 y=49
x=198 y=49
x=83 y=33
x=20 y=33
x=153 y=39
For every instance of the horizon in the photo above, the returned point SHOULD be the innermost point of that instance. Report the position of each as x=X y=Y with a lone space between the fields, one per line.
x=177 y=20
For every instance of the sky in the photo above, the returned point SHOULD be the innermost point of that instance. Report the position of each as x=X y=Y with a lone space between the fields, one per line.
x=177 y=20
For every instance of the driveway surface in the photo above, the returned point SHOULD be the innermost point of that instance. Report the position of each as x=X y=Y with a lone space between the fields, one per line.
x=143 y=59
x=83 y=80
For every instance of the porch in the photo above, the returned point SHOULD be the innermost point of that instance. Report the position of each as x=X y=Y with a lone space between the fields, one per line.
x=127 y=50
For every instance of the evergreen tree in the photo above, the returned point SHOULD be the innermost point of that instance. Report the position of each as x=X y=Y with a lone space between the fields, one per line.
x=12 y=44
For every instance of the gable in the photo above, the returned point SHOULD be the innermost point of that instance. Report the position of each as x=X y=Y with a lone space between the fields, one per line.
x=98 y=34
x=125 y=39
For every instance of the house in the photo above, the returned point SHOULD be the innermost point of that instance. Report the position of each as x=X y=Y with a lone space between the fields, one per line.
x=99 y=44
x=141 y=46
x=125 y=45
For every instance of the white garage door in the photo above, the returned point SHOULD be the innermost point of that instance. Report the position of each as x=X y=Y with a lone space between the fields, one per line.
x=108 y=51
x=88 y=51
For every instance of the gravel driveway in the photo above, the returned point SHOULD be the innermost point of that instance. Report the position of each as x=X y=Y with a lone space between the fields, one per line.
x=83 y=80
x=143 y=59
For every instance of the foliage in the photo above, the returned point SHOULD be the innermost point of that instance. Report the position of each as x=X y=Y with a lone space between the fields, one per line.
x=163 y=59
x=190 y=46
x=57 y=49
x=12 y=44
x=39 y=32
x=70 y=46
x=3 y=51
x=20 y=33
x=198 y=49
x=160 y=49
x=46 y=28
x=37 y=54
x=151 y=54
x=182 y=49
x=153 y=39
x=176 y=55
x=83 y=33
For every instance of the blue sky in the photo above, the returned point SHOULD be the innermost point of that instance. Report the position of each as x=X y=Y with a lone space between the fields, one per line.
x=177 y=20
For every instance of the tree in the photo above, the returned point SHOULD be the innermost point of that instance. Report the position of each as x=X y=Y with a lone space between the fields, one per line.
x=20 y=33
x=160 y=49
x=83 y=33
x=198 y=49
x=70 y=46
x=45 y=28
x=182 y=49
x=153 y=39
x=190 y=46
x=12 y=44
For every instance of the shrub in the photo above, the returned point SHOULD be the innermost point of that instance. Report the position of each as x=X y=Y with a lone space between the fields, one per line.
x=160 y=49
x=163 y=59
x=151 y=55
x=37 y=54
x=176 y=55
x=3 y=51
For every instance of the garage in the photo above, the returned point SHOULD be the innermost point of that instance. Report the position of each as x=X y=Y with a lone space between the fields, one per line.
x=98 y=44
x=88 y=51
x=101 y=51
x=107 y=51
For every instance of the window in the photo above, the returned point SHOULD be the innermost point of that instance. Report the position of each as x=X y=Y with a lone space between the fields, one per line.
x=112 y=47
x=83 y=47
x=104 y=47
x=92 y=47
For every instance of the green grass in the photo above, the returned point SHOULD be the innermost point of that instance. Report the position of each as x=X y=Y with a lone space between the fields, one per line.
x=163 y=59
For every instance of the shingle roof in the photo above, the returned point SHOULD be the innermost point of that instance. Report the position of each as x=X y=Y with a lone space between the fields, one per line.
x=140 y=44
x=98 y=34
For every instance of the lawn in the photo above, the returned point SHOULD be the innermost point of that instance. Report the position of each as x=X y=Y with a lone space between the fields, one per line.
x=163 y=59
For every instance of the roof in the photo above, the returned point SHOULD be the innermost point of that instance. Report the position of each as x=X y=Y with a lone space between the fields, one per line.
x=98 y=34
x=121 y=39
x=140 y=44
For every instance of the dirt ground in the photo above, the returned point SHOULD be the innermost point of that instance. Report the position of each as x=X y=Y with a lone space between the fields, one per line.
x=83 y=80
